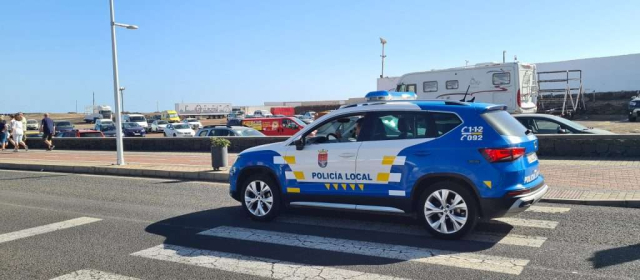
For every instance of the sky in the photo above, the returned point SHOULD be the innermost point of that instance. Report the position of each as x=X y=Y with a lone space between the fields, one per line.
x=56 y=53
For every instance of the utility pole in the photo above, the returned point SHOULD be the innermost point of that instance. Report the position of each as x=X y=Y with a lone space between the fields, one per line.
x=504 y=56
x=93 y=103
x=122 y=97
x=76 y=106
x=157 y=106
x=383 y=42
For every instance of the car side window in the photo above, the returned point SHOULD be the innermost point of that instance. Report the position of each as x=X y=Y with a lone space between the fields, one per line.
x=338 y=130
x=203 y=132
x=221 y=132
x=287 y=123
x=399 y=126
x=445 y=122
x=548 y=127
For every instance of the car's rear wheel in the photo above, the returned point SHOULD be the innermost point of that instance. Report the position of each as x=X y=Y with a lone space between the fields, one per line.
x=261 y=198
x=632 y=118
x=448 y=210
x=175 y=135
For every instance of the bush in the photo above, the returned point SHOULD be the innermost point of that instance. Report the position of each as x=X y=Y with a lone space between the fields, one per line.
x=220 y=142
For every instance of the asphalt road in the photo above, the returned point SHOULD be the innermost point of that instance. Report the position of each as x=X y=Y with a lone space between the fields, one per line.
x=97 y=227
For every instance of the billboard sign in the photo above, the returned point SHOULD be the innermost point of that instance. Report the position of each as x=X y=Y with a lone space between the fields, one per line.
x=203 y=108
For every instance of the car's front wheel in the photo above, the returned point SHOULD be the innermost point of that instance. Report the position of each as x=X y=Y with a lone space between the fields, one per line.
x=632 y=118
x=448 y=210
x=261 y=198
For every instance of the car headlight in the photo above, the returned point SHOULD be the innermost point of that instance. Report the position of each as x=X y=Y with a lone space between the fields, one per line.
x=632 y=103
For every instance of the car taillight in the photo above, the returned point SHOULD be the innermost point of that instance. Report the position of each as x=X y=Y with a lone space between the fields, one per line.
x=516 y=193
x=518 y=99
x=502 y=154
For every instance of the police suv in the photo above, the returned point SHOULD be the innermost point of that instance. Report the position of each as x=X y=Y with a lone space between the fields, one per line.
x=448 y=162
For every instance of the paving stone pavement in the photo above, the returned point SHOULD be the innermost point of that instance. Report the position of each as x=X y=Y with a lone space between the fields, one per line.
x=571 y=180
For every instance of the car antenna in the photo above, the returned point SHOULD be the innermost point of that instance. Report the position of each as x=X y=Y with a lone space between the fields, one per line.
x=465 y=94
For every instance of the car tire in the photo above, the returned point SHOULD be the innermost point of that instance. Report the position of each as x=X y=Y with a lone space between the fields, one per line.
x=261 y=197
x=175 y=135
x=452 y=216
x=632 y=118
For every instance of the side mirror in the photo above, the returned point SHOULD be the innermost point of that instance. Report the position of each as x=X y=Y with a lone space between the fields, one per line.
x=299 y=143
x=562 y=130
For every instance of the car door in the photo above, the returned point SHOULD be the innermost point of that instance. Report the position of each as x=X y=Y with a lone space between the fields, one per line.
x=324 y=169
x=395 y=138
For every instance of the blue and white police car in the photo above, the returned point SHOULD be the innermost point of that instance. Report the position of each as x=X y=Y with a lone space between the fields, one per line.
x=450 y=163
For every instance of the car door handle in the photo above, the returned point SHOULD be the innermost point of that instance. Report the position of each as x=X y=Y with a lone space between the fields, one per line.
x=421 y=153
x=347 y=155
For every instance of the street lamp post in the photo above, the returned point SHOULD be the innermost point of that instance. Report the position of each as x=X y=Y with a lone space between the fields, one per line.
x=383 y=42
x=116 y=83
x=122 y=97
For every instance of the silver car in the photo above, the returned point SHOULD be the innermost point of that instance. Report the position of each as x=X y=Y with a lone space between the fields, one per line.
x=550 y=124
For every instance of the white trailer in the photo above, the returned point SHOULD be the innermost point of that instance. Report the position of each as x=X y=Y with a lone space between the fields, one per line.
x=203 y=110
x=98 y=112
x=512 y=84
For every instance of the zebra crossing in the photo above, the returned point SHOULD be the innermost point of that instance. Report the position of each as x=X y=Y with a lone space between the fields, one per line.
x=288 y=239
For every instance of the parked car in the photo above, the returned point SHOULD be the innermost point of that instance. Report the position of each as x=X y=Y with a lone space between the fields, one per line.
x=103 y=122
x=178 y=130
x=193 y=123
x=634 y=109
x=221 y=130
x=308 y=117
x=109 y=130
x=136 y=118
x=262 y=114
x=158 y=125
x=81 y=133
x=550 y=124
x=286 y=126
x=133 y=129
x=32 y=125
x=62 y=126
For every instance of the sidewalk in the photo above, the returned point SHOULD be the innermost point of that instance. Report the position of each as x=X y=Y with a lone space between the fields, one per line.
x=583 y=181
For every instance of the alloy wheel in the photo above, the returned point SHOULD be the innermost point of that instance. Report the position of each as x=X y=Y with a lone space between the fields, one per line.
x=446 y=211
x=258 y=198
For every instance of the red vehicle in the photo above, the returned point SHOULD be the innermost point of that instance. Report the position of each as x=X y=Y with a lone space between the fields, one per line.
x=279 y=126
x=285 y=111
x=81 y=133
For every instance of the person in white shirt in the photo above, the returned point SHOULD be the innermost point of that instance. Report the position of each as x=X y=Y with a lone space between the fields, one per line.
x=17 y=131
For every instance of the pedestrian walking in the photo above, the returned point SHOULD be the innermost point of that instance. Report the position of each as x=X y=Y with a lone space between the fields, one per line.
x=23 y=119
x=47 y=127
x=17 y=131
x=10 y=129
x=3 y=134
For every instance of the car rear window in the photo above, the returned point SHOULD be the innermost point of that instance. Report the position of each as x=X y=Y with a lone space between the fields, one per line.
x=504 y=123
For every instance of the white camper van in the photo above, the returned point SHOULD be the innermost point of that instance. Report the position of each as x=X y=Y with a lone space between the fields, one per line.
x=513 y=84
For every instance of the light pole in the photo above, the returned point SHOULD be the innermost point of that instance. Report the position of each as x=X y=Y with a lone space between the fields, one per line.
x=116 y=82
x=383 y=42
x=122 y=97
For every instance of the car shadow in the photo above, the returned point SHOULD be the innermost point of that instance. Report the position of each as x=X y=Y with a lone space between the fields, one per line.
x=183 y=231
x=615 y=256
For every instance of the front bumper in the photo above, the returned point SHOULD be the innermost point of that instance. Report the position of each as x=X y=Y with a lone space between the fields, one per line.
x=509 y=206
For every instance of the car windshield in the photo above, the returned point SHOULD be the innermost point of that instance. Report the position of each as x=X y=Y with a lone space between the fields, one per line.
x=569 y=123
x=107 y=127
x=248 y=132
x=90 y=134
x=181 y=126
x=130 y=125
x=173 y=116
x=63 y=124
x=32 y=121
x=162 y=122
x=136 y=119
x=299 y=122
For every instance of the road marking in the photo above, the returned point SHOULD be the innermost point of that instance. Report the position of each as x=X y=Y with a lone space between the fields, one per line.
x=526 y=223
x=249 y=265
x=46 y=229
x=91 y=274
x=505 y=239
x=550 y=210
x=398 y=252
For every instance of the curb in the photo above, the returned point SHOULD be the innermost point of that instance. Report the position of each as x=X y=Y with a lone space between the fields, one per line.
x=210 y=176
x=611 y=203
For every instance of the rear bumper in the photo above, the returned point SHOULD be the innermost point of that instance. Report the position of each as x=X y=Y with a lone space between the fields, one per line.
x=509 y=206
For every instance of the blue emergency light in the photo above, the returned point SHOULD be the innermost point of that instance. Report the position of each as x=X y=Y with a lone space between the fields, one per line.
x=384 y=95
